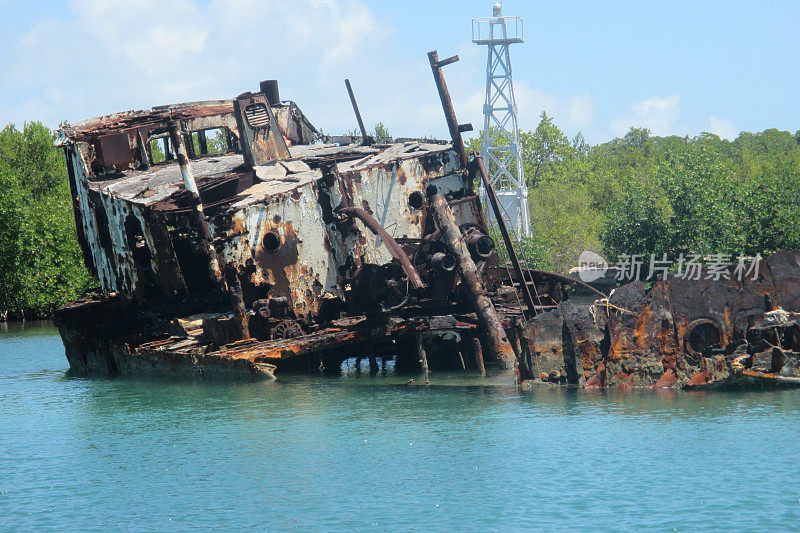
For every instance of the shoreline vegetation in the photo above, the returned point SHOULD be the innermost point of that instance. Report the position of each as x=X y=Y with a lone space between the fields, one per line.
x=638 y=194
x=642 y=194
x=41 y=266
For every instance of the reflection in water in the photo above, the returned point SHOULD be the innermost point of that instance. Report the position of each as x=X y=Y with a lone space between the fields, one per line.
x=362 y=452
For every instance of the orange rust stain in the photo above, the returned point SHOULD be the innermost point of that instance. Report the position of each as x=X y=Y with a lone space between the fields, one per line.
x=680 y=334
x=667 y=380
x=628 y=383
x=640 y=332
x=594 y=382
x=666 y=345
x=701 y=378
x=727 y=328
x=759 y=374
x=238 y=225
x=617 y=347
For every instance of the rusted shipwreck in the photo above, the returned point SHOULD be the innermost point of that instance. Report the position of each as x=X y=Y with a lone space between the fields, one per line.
x=231 y=239
x=712 y=330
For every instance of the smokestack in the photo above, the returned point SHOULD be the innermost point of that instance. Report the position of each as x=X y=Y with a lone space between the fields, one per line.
x=270 y=90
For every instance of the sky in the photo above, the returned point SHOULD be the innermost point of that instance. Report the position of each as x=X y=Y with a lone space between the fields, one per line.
x=596 y=67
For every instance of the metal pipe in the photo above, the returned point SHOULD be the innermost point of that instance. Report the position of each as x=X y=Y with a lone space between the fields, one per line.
x=270 y=90
x=366 y=140
x=480 y=245
x=388 y=241
x=526 y=293
x=198 y=217
x=444 y=262
x=476 y=348
x=373 y=362
x=176 y=137
x=144 y=157
x=463 y=365
x=202 y=142
x=565 y=279
x=167 y=150
x=423 y=357
x=189 y=144
x=497 y=340
x=447 y=105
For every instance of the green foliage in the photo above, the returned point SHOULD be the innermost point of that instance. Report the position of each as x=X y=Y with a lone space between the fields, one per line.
x=544 y=149
x=381 y=133
x=635 y=194
x=218 y=144
x=530 y=251
x=641 y=194
x=157 y=151
x=564 y=224
x=40 y=261
x=706 y=195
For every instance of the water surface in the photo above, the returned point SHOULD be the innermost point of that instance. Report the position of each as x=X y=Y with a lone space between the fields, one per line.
x=375 y=453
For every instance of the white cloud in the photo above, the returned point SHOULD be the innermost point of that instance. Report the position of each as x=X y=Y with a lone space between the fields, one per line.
x=151 y=35
x=723 y=127
x=570 y=113
x=111 y=55
x=581 y=111
x=658 y=114
x=105 y=56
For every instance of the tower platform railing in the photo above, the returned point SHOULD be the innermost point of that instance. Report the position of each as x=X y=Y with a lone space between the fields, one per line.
x=498 y=30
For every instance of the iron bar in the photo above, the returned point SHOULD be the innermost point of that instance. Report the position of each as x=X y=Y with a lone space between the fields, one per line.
x=198 y=217
x=526 y=294
x=388 y=241
x=497 y=340
x=366 y=140
x=476 y=348
x=447 y=105
x=241 y=320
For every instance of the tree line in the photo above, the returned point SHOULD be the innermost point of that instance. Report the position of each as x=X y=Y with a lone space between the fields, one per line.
x=643 y=194
x=41 y=266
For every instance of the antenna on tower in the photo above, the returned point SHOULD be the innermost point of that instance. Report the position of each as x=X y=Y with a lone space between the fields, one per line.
x=500 y=148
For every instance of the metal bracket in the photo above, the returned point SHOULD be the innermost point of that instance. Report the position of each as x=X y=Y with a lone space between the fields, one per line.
x=447 y=61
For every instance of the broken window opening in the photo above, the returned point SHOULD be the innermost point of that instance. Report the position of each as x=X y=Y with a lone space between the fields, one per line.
x=214 y=141
x=157 y=151
x=134 y=233
x=103 y=233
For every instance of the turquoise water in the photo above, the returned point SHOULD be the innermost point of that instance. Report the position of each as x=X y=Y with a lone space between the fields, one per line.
x=376 y=454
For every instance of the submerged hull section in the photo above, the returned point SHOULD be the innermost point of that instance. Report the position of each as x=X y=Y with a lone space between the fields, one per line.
x=678 y=333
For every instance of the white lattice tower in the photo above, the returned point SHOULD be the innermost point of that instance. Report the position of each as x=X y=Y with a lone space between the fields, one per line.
x=500 y=147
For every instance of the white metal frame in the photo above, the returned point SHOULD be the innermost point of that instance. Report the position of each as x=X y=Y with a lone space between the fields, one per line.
x=500 y=148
